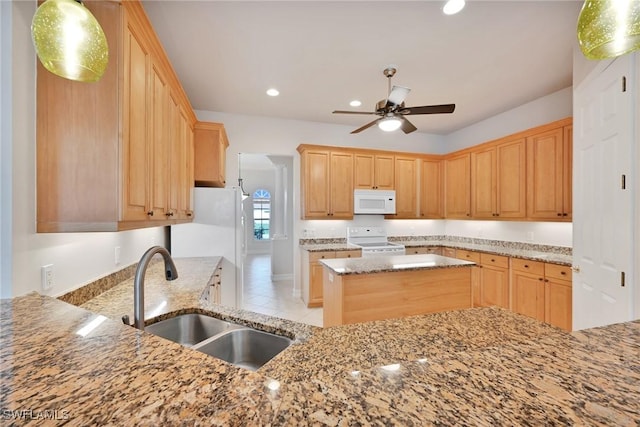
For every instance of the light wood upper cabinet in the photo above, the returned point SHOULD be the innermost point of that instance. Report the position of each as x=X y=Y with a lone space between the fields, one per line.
x=498 y=180
x=374 y=171
x=549 y=159
x=458 y=186
x=104 y=149
x=406 y=181
x=327 y=191
x=431 y=188
x=210 y=145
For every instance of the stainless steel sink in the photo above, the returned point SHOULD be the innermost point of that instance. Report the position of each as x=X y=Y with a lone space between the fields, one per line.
x=247 y=348
x=190 y=329
x=233 y=343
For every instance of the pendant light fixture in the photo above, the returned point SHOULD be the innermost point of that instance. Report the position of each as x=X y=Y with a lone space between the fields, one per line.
x=609 y=28
x=69 y=40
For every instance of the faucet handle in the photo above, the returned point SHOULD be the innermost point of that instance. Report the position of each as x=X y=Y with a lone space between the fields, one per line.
x=125 y=320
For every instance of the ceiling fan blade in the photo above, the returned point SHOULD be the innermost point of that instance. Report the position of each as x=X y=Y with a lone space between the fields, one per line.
x=428 y=109
x=368 y=125
x=407 y=126
x=353 y=112
x=398 y=95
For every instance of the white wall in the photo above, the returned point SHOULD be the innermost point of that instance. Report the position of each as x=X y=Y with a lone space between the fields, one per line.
x=5 y=149
x=77 y=258
x=544 y=233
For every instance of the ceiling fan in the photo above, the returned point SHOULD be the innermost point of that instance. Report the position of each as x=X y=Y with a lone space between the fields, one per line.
x=392 y=110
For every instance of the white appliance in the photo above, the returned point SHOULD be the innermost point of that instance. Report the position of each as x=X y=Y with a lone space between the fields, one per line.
x=374 y=202
x=373 y=241
x=216 y=230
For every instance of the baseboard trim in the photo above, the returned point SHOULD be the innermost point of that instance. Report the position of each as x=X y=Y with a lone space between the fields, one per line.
x=281 y=277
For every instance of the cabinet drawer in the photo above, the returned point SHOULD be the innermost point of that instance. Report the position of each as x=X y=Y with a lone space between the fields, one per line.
x=430 y=250
x=355 y=253
x=315 y=256
x=468 y=255
x=495 y=260
x=533 y=267
x=555 y=271
x=449 y=252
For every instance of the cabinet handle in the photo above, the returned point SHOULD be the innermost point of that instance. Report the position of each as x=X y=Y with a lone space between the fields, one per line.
x=540 y=279
x=189 y=213
x=559 y=214
x=493 y=260
x=526 y=266
x=150 y=213
x=565 y=214
x=564 y=273
x=169 y=214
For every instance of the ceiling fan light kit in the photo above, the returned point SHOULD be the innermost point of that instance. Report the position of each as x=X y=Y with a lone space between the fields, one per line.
x=389 y=124
x=609 y=28
x=392 y=110
x=69 y=41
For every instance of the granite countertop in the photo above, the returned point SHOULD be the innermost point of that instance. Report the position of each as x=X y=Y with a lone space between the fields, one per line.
x=392 y=263
x=481 y=366
x=551 y=254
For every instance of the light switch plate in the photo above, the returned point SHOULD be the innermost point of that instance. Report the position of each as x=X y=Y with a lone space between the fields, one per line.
x=46 y=273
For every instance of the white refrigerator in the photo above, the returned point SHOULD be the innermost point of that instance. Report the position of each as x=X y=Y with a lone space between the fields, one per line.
x=217 y=230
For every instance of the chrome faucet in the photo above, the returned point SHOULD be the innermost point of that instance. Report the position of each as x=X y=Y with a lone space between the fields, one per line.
x=171 y=273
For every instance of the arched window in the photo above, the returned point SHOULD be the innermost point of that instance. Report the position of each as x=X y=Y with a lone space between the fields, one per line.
x=261 y=214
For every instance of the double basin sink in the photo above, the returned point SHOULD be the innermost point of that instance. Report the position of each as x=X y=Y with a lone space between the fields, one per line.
x=239 y=345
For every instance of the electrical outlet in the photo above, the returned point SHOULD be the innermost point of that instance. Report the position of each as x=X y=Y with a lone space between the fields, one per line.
x=46 y=276
x=116 y=255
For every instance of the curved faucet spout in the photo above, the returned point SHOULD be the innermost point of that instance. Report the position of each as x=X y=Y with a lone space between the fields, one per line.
x=171 y=273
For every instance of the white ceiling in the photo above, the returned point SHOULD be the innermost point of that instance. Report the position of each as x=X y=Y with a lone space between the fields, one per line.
x=491 y=57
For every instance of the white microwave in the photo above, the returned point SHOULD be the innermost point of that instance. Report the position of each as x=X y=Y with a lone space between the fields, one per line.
x=374 y=202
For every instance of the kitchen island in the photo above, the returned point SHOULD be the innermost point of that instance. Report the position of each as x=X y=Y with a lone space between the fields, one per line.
x=480 y=366
x=386 y=287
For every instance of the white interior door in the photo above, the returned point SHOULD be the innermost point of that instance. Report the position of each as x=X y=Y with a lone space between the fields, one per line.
x=603 y=208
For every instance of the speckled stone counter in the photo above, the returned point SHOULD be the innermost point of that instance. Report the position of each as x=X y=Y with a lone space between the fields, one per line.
x=483 y=366
x=544 y=253
x=392 y=263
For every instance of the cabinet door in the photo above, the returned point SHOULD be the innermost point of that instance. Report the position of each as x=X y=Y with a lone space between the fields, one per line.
x=341 y=181
x=545 y=175
x=384 y=175
x=182 y=167
x=511 y=167
x=175 y=120
x=316 y=184
x=210 y=145
x=431 y=189
x=483 y=183
x=363 y=175
x=135 y=147
x=529 y=295
x=449 y=252
x=161 y=142
x=315 y=279
x=458 y=187
x=558 y=304
x=406 y=179
x=494 y=287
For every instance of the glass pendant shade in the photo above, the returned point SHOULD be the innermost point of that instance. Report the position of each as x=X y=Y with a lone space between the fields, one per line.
x=69 y=40
x=609 y=28
x=389 y=124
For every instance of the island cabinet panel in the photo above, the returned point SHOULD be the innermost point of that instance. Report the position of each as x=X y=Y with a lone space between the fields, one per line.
x=358 y=298
x=312 y=289
x=432 y=189
x=103 y=149
x=458 y=186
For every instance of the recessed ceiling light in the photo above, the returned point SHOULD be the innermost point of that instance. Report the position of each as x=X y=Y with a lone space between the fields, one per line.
x=355 y=103
x=273 y=92
x=452 y=7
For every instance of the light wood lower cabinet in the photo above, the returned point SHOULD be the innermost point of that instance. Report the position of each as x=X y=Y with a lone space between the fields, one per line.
x=312 y=273
x=436 y=250
x=475 y=272
x=494 y=280
x=542 y=291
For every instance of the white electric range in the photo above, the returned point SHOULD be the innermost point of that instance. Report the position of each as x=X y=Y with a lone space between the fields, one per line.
x=373 y=241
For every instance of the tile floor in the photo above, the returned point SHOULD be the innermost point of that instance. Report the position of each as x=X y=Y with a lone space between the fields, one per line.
x=261 y=295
